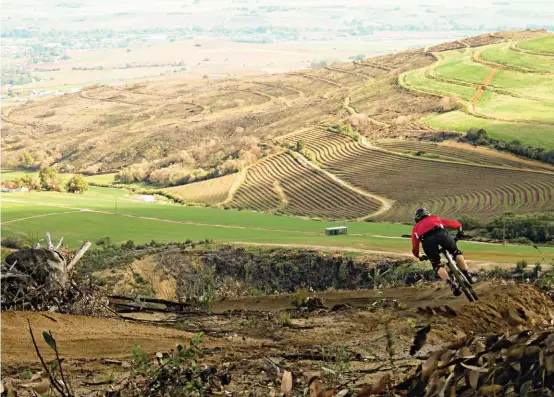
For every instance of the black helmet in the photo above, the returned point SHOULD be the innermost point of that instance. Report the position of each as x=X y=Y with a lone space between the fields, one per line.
x=420 y=214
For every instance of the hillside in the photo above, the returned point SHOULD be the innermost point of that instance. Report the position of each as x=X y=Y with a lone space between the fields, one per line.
x=380 y=163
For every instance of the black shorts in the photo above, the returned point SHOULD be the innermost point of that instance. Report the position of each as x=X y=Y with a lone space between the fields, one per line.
x=432 y=240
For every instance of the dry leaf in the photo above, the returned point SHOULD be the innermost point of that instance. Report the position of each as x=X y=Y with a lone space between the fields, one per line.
x=316 y=389
x=490 y=390
x=377 y=388
x=446 y=357
x=479 y=347
x=286 y=382
x=473 y=378
x=429 y=366
x=464 y=352
x=272 y=393
x=549 y=364
x=474 y=368
x=40 y=387
x=525 y=388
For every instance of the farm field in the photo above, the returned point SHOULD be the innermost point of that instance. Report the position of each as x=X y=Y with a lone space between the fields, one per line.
x=496 y=83
x=145 y=222
x=110 y=200
x=211 y=191
x=538 y=135
x=459 y=152
x=502 y=54
x=541 y=44
x=478 y=191
x=284 y=183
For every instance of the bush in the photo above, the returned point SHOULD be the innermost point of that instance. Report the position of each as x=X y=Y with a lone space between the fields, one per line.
x=50 y=180
x=129 y=245
x=471 y=223
x=104 y=242
x=480 y=137
x=13 y=242
x=284 y=318
x=76 y=184
x=538 y=228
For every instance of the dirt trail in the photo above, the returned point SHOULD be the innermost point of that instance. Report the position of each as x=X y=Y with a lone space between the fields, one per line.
x=483 y=86
x=80 y=337
x=252 y=331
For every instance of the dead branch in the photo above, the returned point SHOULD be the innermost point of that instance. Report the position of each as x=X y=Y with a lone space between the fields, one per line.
x=78 y=255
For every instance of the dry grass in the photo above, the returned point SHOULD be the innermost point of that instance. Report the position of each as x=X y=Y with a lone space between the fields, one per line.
x=211 y=191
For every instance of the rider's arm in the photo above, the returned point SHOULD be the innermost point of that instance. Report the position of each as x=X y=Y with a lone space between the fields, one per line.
x=415 y=245
x=451 y=224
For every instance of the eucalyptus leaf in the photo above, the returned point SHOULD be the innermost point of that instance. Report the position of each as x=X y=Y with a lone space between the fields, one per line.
x=49 y=340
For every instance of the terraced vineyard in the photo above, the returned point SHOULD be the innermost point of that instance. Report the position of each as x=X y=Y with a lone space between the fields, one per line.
x=462 y=153
x=284 y=183
x=451 y=189
x=508 y=86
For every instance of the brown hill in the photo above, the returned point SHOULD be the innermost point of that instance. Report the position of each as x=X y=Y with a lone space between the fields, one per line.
x=170 y=132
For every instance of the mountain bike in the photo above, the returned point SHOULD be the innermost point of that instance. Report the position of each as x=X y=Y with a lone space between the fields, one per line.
x=456 y=274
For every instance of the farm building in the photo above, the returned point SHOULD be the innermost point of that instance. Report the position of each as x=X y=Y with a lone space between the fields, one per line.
x=335 y=231
x=12 y=187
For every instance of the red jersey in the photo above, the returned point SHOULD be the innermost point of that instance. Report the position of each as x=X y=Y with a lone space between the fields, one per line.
x=428 y=223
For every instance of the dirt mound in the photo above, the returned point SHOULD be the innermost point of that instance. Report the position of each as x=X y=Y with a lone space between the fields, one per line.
x=80 y=337
x=502 y=309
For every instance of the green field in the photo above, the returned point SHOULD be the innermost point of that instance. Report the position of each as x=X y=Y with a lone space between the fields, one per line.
x=508 y=107
x=541 y=44
x=460 y=66
x=538 y=135
x=169 y=222
x=503 y=55
x=515 y=105
x=416 y=79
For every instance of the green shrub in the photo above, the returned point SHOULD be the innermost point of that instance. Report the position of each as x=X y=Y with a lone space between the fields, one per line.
x=129 y=245
x=13 y=242
x=284 y=318
x=471 y=223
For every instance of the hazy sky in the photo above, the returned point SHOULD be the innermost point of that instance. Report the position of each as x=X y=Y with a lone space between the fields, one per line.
x=435 y=14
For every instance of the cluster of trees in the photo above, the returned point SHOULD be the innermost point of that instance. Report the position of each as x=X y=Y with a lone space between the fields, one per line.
x=480 y=137
x=195 y=165
x=50 y=180
x=525 y=228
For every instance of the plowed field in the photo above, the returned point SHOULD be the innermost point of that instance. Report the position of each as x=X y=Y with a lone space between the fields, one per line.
x=284 y=183
x=448 y=188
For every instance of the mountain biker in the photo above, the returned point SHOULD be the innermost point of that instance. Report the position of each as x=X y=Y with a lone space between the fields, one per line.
x=430 y=230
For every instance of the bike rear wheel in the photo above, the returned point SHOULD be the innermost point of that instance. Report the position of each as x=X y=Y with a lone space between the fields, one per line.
x=462 y=281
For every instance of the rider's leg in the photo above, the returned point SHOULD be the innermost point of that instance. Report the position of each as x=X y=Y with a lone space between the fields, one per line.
x=442 y=273
x=461 y=262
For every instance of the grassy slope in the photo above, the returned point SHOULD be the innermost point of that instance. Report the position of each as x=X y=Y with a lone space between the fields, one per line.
x=532 y=134
x=508 y=107
x=417 y=79
x=78 y=226
x=503 y=55
x=541 y=44
x=459 y=65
